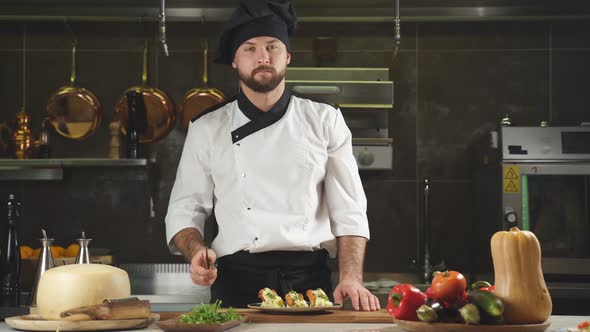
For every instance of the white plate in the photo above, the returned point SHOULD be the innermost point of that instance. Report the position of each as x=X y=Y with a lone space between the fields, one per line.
x=294 y=310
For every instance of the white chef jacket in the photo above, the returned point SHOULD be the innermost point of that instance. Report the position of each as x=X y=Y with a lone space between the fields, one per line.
x=285 y=179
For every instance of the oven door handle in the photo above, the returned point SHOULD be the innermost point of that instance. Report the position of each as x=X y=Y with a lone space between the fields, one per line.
x=316 y=90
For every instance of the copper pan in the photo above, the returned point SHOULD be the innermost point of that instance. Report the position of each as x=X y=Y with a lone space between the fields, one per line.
x=160 y=110
x=197 y=100
x=73 y=111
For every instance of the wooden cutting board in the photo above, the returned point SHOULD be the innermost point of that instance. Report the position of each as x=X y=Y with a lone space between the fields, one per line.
x=337 y=316
x=35 y=323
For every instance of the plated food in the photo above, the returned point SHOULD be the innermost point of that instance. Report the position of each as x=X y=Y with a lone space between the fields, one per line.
x=294 y=301
x=270 y=298
x=317 y=298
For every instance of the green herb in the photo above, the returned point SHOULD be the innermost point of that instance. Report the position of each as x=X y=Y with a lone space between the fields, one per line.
x=209 y=314
x=323 y=296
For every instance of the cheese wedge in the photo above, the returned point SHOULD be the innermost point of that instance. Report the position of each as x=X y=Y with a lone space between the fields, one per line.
x=71 y=286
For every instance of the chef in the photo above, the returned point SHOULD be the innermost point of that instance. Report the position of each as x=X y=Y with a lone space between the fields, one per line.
x=278 y=173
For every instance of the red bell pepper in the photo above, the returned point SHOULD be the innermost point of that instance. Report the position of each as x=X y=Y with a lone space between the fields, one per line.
x=488 y=289
x=404 y=300
x=429 y=293
x=483 y=285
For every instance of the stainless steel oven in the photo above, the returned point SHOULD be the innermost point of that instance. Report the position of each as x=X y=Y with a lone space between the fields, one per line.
x=543 y=182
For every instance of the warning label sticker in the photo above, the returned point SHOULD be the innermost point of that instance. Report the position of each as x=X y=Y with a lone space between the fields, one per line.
x=511 y=179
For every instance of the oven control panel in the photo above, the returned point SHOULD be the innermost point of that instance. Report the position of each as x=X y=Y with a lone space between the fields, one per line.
x=545 y=143
x=375 y=157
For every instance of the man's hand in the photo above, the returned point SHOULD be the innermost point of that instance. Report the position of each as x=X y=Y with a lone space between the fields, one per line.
x=200 y=274
x=189 y=242
x=358 y=295
x=351 y=251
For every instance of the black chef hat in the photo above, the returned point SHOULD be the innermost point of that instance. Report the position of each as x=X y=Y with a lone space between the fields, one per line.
x=254 y=18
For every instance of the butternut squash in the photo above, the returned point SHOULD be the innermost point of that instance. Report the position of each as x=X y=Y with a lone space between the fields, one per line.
x=519 y=281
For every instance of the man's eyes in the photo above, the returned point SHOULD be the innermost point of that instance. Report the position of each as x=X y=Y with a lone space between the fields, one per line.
x=268 y=48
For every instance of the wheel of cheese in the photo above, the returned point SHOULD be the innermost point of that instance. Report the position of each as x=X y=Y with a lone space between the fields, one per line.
x=71 y=286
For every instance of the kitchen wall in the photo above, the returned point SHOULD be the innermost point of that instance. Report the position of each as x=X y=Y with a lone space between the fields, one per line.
x=453 y=83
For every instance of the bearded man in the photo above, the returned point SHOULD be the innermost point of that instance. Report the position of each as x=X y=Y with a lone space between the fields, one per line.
x=278 y=173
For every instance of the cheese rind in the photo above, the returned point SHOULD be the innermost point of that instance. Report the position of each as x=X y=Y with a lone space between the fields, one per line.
x=71 y=286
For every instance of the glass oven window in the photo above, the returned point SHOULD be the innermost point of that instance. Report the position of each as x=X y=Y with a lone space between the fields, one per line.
x=559 y=214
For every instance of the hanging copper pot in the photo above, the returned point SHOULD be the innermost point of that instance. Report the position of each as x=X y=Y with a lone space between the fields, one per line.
x=197 y=100
x=160 y=114
x=73 y=111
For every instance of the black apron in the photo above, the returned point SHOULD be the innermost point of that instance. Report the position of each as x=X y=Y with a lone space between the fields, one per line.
x=241 y=275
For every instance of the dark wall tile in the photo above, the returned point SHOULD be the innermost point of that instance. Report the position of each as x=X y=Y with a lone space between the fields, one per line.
x=11 y=85
x=49 y=36
x=483 y=35
x=450 y=223
x=571 y=34
x=11 y=35
x=392 y=218
x=462 y=95
x=192 y=35
x=375 y=35
x=402 y=120
x=570 y=72
x=89 y=35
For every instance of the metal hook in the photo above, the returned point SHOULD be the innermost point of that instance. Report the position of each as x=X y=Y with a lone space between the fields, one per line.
x=396 y=30
x=162 y=25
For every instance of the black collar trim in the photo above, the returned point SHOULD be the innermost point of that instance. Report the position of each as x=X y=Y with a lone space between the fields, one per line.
x=259 y=119
x=252 y=112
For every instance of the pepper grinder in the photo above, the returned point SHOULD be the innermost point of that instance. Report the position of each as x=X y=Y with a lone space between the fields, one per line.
x=83 y=256
x=45 y=263
x=115 y=142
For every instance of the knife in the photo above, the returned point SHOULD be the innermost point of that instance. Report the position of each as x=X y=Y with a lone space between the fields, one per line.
x=207 y=265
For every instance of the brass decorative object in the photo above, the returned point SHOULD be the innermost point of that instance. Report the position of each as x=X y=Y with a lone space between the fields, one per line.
x=22 y=139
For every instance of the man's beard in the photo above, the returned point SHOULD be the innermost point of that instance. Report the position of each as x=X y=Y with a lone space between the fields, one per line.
x=265 y=85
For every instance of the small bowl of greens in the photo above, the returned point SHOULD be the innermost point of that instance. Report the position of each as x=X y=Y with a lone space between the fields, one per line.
x=203 y=318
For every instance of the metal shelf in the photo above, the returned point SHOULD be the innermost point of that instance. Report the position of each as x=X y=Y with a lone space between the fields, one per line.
x=70 y=162
x=52 y=169
x=378 y=11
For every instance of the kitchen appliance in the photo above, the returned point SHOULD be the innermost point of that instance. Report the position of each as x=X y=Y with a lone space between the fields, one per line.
x=542 y=184
x=365 y=97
